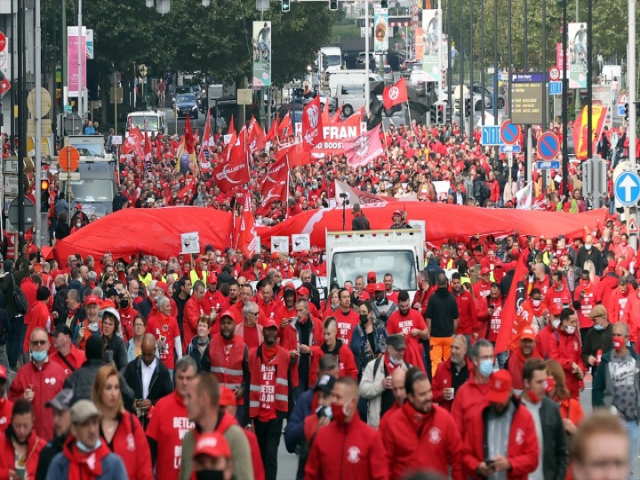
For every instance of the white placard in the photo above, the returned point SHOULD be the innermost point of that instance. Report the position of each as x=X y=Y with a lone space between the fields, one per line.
x=300 y=242
x=280 y=245
x=257 y=244
x=116 y=140
x=190 y=243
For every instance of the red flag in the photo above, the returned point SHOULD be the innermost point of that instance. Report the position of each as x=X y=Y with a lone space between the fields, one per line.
x=512 y=307
x=364 y=149
x=189 y=139
x=232 y=128
x=337 y=117
x=235 y=171
x=275 y=184
x=395 y=94
x=354 y=120
x=273 y=131
x=312 y=124
x=134 y=142
x=295 y=153
x=325 y=114
x=245 y=231
x=203 y=156
x=580 y=130
x=285 y=126
x=255 y=136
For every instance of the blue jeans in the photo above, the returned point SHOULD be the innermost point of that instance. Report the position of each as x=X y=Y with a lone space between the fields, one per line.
x=16 y=339
x=634 y=439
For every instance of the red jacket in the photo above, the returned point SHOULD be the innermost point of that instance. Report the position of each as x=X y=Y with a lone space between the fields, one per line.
x=586 y=295
x=566 y=350
x=436 y=445
x=543 y=339
x=193 y=310
x=607 y=284
x=71 y=362
x=5 y=414
x=557 y=300
x=470 y=395
x=7 y=455
x=444 y=379
x=515 y=366
x=618 y=301
x=37 y=316
x=345 y=356
x=347 y=451
x=131 y=445
x=468 y=318
x=522 y=452
x=46 y=383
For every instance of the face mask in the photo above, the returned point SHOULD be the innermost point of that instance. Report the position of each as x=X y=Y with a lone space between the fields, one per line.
x=39 y=356
x=599 y=328
x=210 y=475
x=555 y=323
x=364 y=319
x=618 y=343
x=338 y=412
x=570 y=330
x=324 y=411
x=486 y=367
x=134 y=295
x=536 y=303
x=93 y=327
x=155 y=299
x=83 y=448
x=588 y=246
x=551 y=384
x=584 y=283
x=124 y=303
x=533 y=397
x=78 y=224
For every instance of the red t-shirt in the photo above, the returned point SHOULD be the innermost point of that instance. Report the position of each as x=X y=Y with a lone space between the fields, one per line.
x=251 y=337
x=166 y=327
x=346 y=324
x=267 y=410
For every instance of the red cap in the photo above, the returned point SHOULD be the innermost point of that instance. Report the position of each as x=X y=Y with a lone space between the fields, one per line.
x=163 y=286
x=500 y=386
x=227 y=397
x=515 y=252
x=303 y=291
x=78 y=206
x=107 y=303
x=397 y=212
x=92 y=299
x=371 y=277
x=3 y=372
x=227 y=313
x=485 y=271
x=269 y=322
x=380 y=287
x=528 y=333
x=212 y=278
x=212 y=445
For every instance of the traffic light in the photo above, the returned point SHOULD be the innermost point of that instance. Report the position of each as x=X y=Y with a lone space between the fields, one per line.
x=333 y=5
x=626 y=111
x=44 y=196
x=384 y=4
x=441 y=115
x=286 y=5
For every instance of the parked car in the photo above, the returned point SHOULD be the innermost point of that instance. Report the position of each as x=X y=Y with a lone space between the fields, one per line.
x=361 y=61
x=489 y=96
x=186 y=104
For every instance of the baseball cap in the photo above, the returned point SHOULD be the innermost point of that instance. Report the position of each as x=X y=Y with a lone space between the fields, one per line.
x=61 y=328
x=380 y=287
x=527 y=333
x=227 y=397
x=78 y=206
x=212 y=445
x=303 y=291
x=500 y=386
x=3 y=372
x=397 y=212
x=485 y=271
x=62 y=401
x=227 y=313
x=84 y=410
x=371 y=277
x=92 y=299
x=515 y=252
x=212 y=278
x=325 y=384
x=396 y=341
x=162 y=286
x=269 y=323
x=598 y=311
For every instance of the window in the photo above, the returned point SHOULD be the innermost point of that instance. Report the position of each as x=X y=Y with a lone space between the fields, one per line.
x=142 y=122
x=85 y=191
x=401 y=264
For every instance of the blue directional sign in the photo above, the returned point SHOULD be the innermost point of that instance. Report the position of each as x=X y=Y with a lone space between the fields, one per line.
x=548 y=165
x=510 y=149
x=621 y=110
x=555 y=88
x=627 y=189
x=491 y=135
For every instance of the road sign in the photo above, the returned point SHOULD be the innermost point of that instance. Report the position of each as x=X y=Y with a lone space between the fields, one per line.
x=623 y=99
x=555 y=88
x=143 y=70
x=69 y=159
x=554 y=73
x=510 y=149
x=29 y=212
x=632 y=227
x=627 y=189
x=509 y=133
x=622 y=110
x=548 y=165
x=3 y=41
x=5 y=86
x=491 y=135
x=548 y=146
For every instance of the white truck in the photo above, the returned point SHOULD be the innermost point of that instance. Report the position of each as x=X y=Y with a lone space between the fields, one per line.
x=398 y=252
x=351 y=77
x=330 y=59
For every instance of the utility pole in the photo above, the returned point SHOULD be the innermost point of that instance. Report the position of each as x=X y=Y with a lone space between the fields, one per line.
x=80 y=55
x=367 y=34
x=565 y=100
x=22 y=121
x=631 y=79
x=65 y=72
x=38 y=125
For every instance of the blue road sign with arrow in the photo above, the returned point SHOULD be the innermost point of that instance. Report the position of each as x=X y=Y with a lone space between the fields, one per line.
x=491 y=135
x=627 y=188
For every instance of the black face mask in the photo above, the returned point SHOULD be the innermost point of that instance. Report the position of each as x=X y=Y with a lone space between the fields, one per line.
x=209 y=475
x=364 y=319
x=124 y=303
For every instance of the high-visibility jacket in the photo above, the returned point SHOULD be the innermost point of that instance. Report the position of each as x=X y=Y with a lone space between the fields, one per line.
x=259 y=399
x=227 y=359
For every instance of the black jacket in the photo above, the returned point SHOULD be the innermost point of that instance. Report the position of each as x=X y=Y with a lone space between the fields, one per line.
x=555 y=449
x=442 y=310
x=360 y=222
x=161 y=384
x=81 y=381
x=60 y=303
x=49 y=451
x=7 y=288
x=597 y=340
x=117 y=346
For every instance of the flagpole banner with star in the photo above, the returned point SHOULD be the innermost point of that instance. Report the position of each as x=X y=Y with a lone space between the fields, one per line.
x=432 y=42
x=261 y=54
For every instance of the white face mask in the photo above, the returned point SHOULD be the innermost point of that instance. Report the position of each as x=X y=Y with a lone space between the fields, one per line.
x=570 y=330
x=536 y=303
x=555 y=323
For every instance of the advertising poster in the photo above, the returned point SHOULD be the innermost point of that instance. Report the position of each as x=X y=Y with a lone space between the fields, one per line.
x=578 y=55
x=380 y=30
x=261 y=54
x=72 y=60
x=432 y=36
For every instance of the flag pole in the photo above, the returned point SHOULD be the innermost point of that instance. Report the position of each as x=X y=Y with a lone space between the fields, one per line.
x=409 y=110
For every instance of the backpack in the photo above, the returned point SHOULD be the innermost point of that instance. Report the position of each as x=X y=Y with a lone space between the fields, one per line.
x=19 y=299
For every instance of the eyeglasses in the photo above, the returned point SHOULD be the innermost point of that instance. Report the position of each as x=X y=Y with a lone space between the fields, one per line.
x=36 y=343
x=254 y=313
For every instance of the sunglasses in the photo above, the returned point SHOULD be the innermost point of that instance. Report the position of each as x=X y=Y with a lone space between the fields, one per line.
x=40 y=343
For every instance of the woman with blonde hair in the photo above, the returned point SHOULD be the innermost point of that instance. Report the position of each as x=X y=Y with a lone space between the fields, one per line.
x=332 y=303
x=121 y=430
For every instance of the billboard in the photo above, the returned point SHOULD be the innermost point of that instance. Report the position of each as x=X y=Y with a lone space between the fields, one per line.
x=261 y=54
x=432 y=43
x=380 y=30
x=577 y=55
x=72 y=60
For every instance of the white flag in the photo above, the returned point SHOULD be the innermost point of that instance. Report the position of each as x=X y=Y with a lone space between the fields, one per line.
x=524 y=197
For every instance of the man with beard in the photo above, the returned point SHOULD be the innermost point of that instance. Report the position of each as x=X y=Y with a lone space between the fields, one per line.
x=409 y=323
x=383 y=308
x=515 y=362
x=422 y=435
x=501 y=435
x=334 y=346
x=452 y=374
x=468 y=317
x=229 y=357
x=60 y=404
x=181 y=295
x=269 y=366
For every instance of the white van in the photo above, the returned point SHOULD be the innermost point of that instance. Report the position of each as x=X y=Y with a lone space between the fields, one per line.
x=351 y=77
x=153 y=121
x=351 y=98
x=331 y=59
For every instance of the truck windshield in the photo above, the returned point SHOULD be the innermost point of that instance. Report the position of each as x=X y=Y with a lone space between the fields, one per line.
x=400 y=264
x=142 y=121
x=85 y=191
x=333 y=61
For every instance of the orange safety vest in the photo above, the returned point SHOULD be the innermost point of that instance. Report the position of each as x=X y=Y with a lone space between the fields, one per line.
x=280 y=399
x=226 y=361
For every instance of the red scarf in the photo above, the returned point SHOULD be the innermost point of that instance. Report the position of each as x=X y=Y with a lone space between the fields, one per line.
x=268 y=353
x=417 y=419
x=84 y=466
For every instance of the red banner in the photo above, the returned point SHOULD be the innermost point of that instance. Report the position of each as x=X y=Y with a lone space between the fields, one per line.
x=580 y=130
x=312 y=132
x=364 y=149
x=235 y=171
x=275 y=184
x=395 y=94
